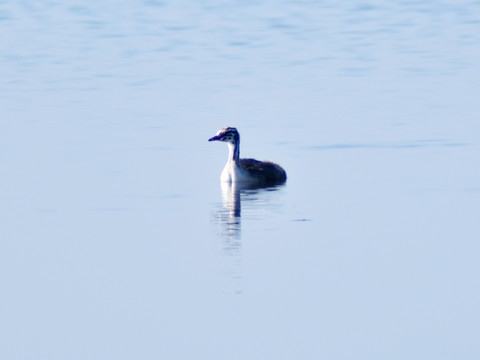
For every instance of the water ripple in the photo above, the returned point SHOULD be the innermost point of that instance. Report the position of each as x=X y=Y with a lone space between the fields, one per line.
x=413 y=144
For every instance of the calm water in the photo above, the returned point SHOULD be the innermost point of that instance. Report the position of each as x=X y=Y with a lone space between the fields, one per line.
x=117 y=240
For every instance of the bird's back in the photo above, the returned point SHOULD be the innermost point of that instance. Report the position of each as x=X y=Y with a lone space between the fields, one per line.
x=265 y=172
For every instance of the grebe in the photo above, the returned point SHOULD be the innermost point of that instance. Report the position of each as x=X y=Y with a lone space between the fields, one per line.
x=247 y=171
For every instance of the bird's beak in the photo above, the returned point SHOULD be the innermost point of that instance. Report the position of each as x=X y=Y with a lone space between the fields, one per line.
x=213 y=138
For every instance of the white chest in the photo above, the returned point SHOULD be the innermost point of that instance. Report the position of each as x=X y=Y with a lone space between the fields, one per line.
x=234 y=174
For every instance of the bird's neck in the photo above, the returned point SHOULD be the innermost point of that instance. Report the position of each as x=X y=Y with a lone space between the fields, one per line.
x=234 y=152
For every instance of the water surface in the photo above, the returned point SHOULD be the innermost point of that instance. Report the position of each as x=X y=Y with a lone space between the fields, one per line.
x=117 y=240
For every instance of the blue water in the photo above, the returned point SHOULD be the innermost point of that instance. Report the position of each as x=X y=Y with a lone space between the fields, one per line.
x=117 y=240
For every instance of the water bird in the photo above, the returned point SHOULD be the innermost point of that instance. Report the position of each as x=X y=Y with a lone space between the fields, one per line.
x=246 y=171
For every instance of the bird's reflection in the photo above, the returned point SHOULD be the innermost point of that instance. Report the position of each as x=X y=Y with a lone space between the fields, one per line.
x=230 y=212
x=229 y=217
x=231 y=199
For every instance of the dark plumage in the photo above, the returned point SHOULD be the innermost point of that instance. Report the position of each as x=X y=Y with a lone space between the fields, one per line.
x=266 y=171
